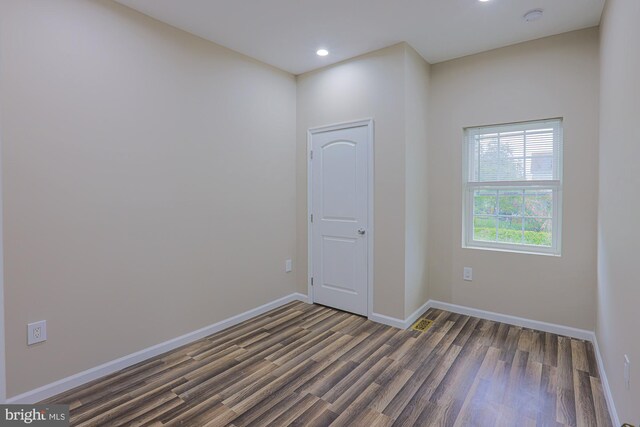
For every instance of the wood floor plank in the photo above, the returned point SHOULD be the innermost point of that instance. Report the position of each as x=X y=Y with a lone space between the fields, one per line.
x=565 y=403
x=579 y=355
x=348 y=413
x=307 y=365
x=210 y=407
x=335 y=372
x=603 y=416
x=422 y=395
x=118 y=381
x=361 y=376
x=292 y=413
x=344 y=343
x=372 y=344
x=585 y=408
x=138 y=411
x=530 y=389
x=311 y=413
x=404 y=347
x=435 y=415
x=292 y=349
x=499 y=380
x=388 y=390
x=591 y=360
x=153 y=415
x=279 y=392
x=500 y=337
x=267 y=417
x=325 y=418
x=359 y=386
x=473 y=407
x=550 y=349
x=511 y=343
x=246 y=398
x=546 y=415
x=222 y=417
x=104 y=414
x=459 y=379
x=409 y=394
x=373 y=418
x=213 y=385
x=295 y=355
x=515 y=382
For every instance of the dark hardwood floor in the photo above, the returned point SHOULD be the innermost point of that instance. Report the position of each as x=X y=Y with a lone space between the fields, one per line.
x=308 y=365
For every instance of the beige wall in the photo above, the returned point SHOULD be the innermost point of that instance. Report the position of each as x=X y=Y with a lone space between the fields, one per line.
x=148 y=179
x=551 y=77
x=416 y=184
x=368 y=86
x=374 y=85
x=154 y=183
x=618 y=235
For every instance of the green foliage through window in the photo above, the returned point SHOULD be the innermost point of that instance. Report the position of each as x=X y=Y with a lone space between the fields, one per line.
x=513 y=186
x=513 y=216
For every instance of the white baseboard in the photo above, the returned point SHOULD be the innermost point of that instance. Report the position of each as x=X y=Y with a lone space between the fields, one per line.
x=399 y=323
x=416 y=314
x=605 y=383
x=297 y=296
x=84 y=377
x=387 y=320
x=553 y=328
x=483 y=314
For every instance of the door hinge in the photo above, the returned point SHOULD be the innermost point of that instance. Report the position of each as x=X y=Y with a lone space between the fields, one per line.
x=312 y=281
x=311 y=217
x=311 y=154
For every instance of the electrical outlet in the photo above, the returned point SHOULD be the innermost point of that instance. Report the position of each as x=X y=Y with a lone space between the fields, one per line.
x=467 y=274
x=36 y=332
x=627 y=372
x=287 y=266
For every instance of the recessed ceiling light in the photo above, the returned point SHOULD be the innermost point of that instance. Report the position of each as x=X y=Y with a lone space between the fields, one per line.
x=322 y=52
x=483 y=1
x=532 y=15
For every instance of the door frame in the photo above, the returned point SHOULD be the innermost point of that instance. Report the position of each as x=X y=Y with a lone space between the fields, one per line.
x=368 y=122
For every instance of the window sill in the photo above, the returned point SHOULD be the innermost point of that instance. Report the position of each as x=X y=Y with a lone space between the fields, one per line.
x=513 y=251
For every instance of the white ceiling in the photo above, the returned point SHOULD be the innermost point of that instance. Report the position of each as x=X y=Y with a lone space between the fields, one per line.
x=286 y=33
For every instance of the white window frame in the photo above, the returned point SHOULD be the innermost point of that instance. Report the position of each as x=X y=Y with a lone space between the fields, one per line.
x=554 y=185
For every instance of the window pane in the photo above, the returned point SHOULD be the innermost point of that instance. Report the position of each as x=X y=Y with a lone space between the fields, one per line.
x=487 y=157
x=510 y=203
x=484 y=202
x=515 y=152
x=511 y=156
x=484 y=228
x=513 y=175
x=537 y=232
x=511 y=168
x=540 y=153
x=538 y=203
x=510 y=230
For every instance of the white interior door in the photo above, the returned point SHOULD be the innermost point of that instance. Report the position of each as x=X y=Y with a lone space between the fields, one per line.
x=340 y=217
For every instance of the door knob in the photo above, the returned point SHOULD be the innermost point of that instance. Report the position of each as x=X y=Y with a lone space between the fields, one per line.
x=361 y=231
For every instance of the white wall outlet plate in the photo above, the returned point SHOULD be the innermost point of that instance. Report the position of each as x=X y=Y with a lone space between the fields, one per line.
x=287 y=266
x=627 y=372
x=36 y=332
x=467 y=274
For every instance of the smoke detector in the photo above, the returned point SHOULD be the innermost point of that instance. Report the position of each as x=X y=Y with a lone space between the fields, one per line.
x=532 y=15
